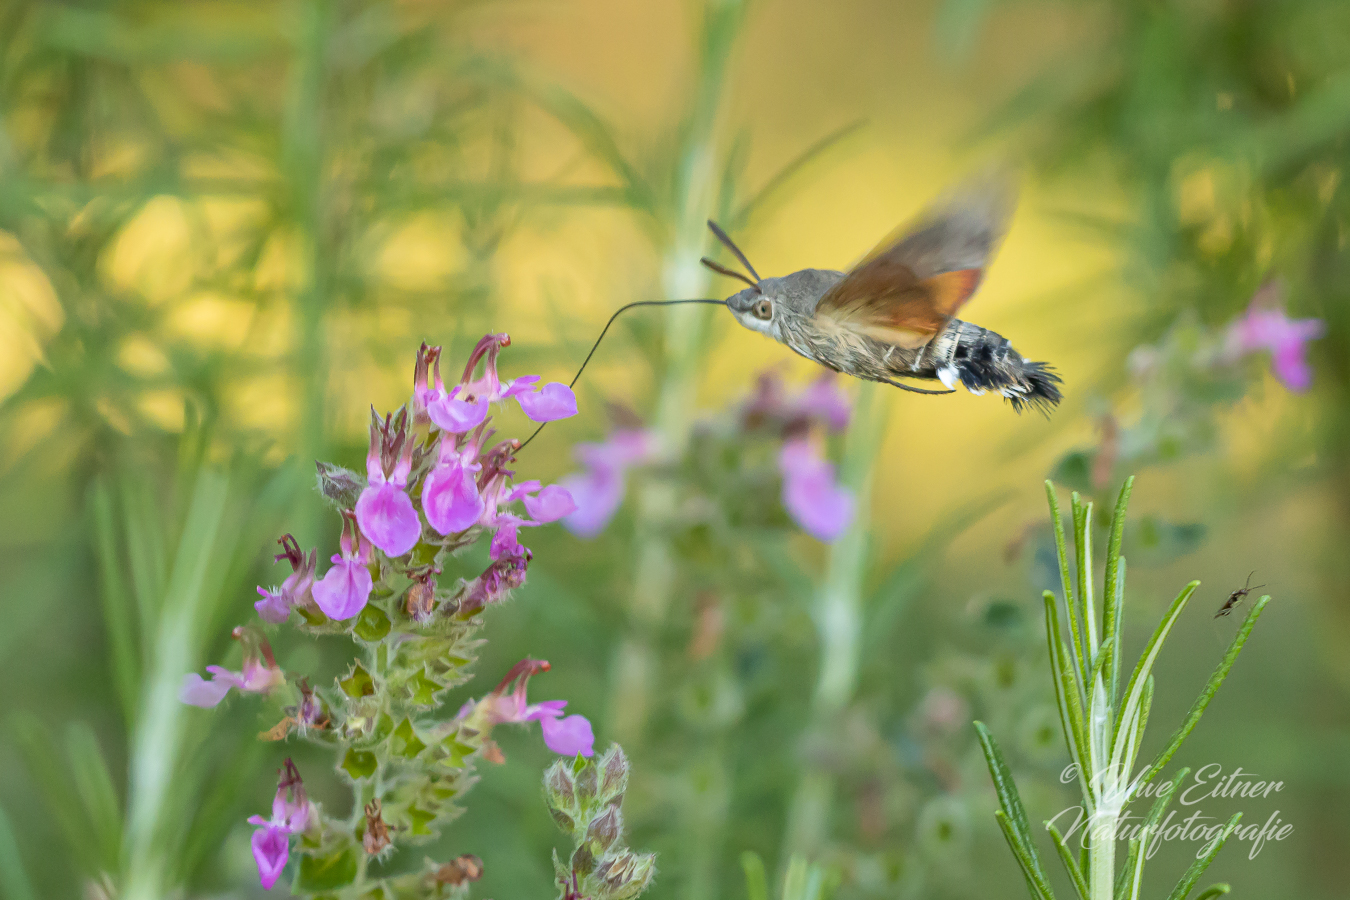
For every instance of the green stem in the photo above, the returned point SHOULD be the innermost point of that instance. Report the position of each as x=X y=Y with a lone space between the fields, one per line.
x=838 y=617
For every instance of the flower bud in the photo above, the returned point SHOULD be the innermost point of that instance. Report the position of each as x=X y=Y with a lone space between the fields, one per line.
x=614 y=775
x=559 y=786
x=341 y=486
x=639 y=876
x=564 y=821
x=586 y=783
x=583 y=861
x=606 y=828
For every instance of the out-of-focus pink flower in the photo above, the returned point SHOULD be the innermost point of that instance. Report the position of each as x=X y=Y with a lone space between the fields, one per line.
x=508 y=704
x=821 y=401
x=544 y=504
x=465 y=406
x=598 y=490
x=260 y=673
x=450 y=496
x=291 y=814
x=346 y=587
x=276 y=603
x=811 y=495
x=1266 y=327
x=384 y=511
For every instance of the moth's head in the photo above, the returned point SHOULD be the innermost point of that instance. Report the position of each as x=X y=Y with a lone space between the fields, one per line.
x=765 y=306
x=754 y=309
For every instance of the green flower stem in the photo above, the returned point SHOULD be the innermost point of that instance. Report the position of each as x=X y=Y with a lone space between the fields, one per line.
x=157 y=744
x=696 y=196
x=838 y=617
x=303 y=173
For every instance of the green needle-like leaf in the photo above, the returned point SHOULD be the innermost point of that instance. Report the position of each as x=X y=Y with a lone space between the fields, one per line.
x=1070 y=864
x=1198 y=867
x=1216 y=679
x=1114 y=596
x=1039 y=890
x=1214 y=890
x=1011 y=802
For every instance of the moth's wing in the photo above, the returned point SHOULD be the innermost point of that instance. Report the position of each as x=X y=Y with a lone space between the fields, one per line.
x=909 y=287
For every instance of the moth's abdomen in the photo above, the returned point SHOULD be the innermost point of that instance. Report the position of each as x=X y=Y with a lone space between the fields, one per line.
x=983 y=360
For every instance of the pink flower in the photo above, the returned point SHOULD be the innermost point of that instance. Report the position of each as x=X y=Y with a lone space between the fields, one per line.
x=810 y=494
x=291 y=814
x=271 y=850
x=260 y=673
x=465 y=406
x=384 y=510
x=821 y=401
x=277 y=603
x=567 y=736
x=450 y=497
x=1266 y=327
x=551 y=503
x=598 y=491
x=346 y=587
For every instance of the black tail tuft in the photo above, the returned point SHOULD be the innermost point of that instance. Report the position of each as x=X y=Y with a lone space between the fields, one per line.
x=1022 y=382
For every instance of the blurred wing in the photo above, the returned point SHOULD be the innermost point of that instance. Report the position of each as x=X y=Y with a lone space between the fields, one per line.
x=913 y=283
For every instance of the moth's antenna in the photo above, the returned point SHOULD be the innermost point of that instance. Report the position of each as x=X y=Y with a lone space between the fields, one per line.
x=605 y=331
x=731 y=245
x=730 y=273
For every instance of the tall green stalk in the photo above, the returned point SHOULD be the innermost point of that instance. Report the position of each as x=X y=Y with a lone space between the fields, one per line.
x=838 y=616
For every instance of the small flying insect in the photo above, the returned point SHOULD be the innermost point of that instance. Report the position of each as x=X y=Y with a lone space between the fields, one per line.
x=1236 y=597
x=894 y=314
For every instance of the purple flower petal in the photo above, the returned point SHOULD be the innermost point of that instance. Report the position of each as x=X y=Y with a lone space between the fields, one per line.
x=822 y=399
x=1286 y=339
x=569 y=736
x=505 y=542
x=552 y=503
x=554 y=401
x=197 y=691
x=457 y=416
x=344 y=590
x=273 y=607
x=521 y=385
x=450 y=498
x=549 y=709
x=387 y=518
x=271 y=849
x=810 y=494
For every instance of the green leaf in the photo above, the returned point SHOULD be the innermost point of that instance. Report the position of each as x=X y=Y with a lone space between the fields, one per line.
x=756 y=880
x=1115 y=588
x=1211 y=688
x=358 y=683
x=420 y=821
x=1011 y=802
x=404 y=741
x=1198 y=867
x=372 y=625
x=1070 y=864
x=742 y=216
x=1037 y=891
x=94 y=785
x=359 y=763
x=1133 y=697
x=1082 y=540
x=118 y=615
x=44 y=765
x=326 y=873
x=1067 y=697
x=14 y=881
x=1214 y=890
x=1127 y=878
x=1076 y=635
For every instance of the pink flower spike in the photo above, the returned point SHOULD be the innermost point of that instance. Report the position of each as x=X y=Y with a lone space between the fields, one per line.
x=552 y=503
x=197 y=691
x=277 y=603
x=554 y=401
x=569 y=736
x=810 y=494
x=271 y=849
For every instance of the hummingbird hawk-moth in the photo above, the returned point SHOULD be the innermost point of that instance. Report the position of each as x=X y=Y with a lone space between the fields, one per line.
x=893 y=315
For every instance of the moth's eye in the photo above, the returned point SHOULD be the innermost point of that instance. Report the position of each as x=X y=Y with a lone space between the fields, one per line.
x=762 y=310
